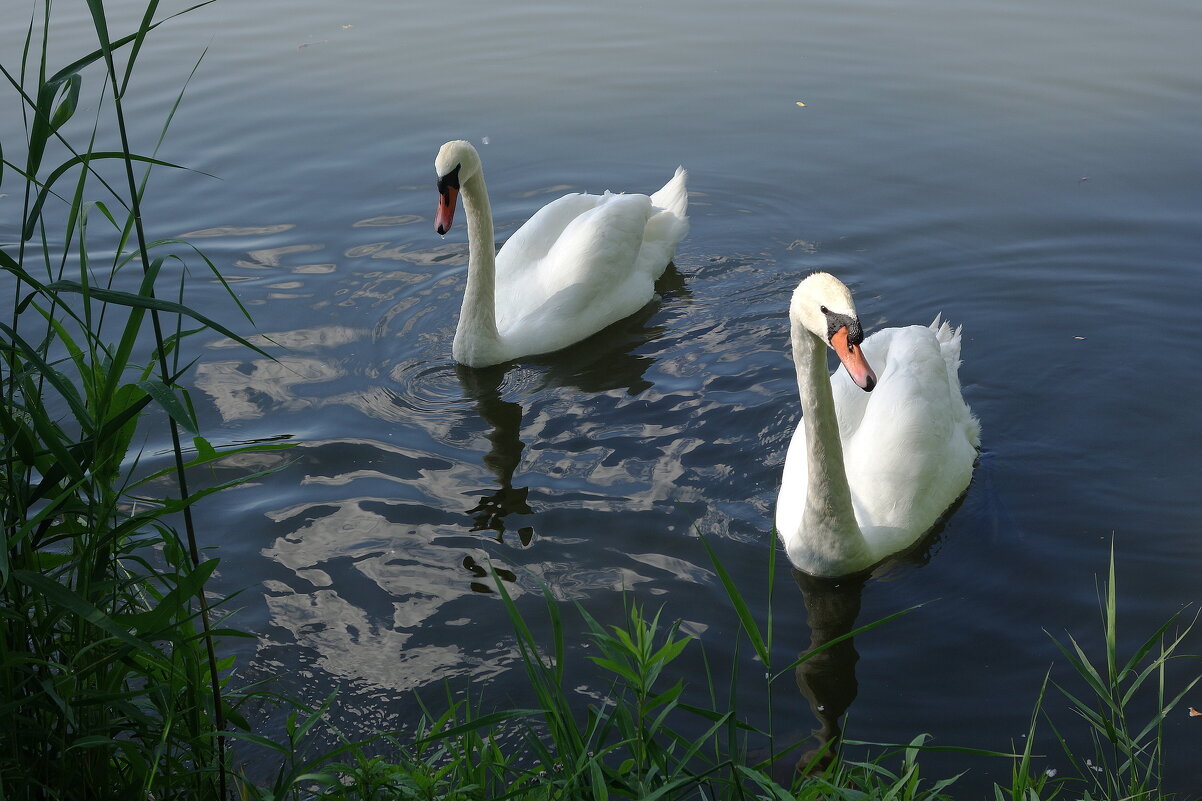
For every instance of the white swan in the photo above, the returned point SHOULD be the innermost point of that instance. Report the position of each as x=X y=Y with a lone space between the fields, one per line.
x=579 y=264
x=866 y=475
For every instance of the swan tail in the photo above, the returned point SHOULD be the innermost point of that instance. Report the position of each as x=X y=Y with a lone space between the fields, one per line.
x=667 y=225
x=949 y=348
x=674 y=196
x=944 y=331
x=949 y=341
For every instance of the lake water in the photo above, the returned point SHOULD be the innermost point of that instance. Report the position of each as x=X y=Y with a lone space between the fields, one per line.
x=1030 y=170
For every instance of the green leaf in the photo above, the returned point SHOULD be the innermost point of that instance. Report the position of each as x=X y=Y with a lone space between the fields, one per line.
x=670 y=650
x=153 y=621
x=599 y=786
x=91 y=741
x=614 y=667
x=166 y=398
x=85 y=159
x=158 y=304
x=61 y=385
x=73 y=602
x=204 y=451
x=68 y=104
x=741 y=608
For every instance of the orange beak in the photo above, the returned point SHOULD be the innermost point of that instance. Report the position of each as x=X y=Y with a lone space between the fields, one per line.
x=853 y=360
x=446 y=209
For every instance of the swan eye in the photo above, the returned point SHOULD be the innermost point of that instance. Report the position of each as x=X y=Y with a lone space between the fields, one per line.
x=824 y=309
x=451 y=180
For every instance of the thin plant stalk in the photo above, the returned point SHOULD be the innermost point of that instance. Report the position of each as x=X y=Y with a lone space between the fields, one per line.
x=97 y=9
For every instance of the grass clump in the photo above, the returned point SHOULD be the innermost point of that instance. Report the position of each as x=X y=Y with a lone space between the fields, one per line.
x=644 y=739
x=110 y=682
x=1125 y=759
x=641 y=740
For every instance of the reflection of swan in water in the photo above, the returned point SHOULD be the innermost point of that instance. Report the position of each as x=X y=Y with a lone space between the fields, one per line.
x=596 y=365
x=827 y=680
x=599 y=364
x=505 y=421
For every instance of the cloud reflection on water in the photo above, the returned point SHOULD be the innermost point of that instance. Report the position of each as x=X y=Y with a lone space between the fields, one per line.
x=385 y=544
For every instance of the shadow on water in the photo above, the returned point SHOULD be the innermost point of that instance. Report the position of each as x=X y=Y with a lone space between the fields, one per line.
x=827 y=679
x=604 y=362
x=504 y=418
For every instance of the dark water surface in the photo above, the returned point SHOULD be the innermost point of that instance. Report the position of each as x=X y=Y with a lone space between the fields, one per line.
x=1030 y=170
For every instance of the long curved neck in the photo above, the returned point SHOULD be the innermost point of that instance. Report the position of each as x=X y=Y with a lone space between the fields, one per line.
x=829 y=520
x=477 y=343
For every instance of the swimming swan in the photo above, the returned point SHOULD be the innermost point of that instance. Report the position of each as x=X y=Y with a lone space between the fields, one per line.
x=867 y=474
x=579 y=264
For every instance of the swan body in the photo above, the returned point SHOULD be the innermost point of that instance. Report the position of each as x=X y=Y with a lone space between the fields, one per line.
x=868 y=473
x=579 y=264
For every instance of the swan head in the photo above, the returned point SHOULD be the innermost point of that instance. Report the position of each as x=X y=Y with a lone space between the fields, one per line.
x=457 y=162
x=822 y=305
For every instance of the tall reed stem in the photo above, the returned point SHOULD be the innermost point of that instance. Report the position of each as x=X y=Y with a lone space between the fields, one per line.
x=101 y=24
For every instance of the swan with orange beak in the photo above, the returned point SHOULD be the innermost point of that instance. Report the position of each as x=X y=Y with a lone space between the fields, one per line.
x=580 y=264
x=880 y=454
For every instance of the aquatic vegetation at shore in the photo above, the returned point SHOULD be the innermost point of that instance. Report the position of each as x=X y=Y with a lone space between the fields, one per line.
x=112 y=683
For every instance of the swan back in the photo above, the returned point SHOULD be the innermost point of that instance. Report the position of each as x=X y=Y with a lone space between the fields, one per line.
x=583 y=262
x=910 y=454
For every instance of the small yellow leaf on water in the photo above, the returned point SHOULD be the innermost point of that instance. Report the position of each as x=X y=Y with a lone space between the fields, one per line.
x=1193 y=713
x=802 y=105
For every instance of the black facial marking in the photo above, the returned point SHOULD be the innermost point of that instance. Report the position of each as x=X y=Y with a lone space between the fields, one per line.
x=835 y=321
x=449 y=181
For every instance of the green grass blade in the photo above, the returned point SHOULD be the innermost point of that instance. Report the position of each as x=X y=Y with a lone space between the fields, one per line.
x=84 y=160
x=740 y=606
x=141 y=302
x=166 y=398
